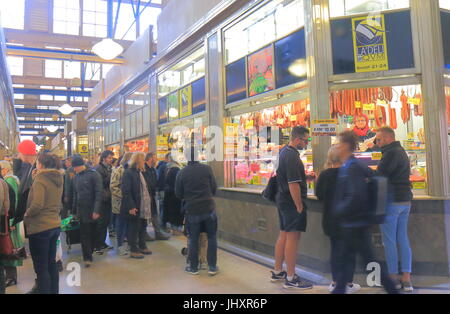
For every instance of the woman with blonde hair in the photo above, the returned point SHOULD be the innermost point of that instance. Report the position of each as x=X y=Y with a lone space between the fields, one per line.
x=136 y=205
x=325 y=189
x=116 y=198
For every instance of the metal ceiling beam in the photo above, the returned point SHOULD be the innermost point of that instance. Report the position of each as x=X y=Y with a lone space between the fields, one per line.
x=41 y=122
x=47 y=81
x=56 y=54
x=40 y=111
x=56 y=103
x=42 y=39
x=54 y=92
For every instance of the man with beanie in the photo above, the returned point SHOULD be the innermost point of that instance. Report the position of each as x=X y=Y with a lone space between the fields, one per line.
x=104 y=169
x=87 y=205
x=25 y=166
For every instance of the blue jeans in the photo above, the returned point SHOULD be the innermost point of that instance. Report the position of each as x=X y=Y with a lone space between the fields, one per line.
x=43 y=254
x=395 y=237
x=195 y=225
x=121 y=229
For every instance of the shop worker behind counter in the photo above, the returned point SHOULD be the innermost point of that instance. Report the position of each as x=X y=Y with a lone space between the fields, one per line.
x=196 y=186
x=292 y=191
x=395 y=166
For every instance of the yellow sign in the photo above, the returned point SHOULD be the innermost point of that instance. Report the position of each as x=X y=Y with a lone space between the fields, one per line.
x=377 y=156
x=161 y=140
x=83 y=149
x=414 y=101
x=419 y=185
x=293 y=118
x=309 y=158
x=358 y=104
x=369 y=43
x=185 y=101
x=369 y=106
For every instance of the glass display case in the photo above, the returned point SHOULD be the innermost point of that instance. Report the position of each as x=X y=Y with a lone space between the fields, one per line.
x=399 y=107
x=260 y=136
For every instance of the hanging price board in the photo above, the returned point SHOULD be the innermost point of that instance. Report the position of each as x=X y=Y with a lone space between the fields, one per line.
x=324 y=127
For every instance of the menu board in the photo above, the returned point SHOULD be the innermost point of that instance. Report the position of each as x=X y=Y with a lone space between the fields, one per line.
x=260 y=71
x=185 y=101
x=163 y=110
x=173 y=105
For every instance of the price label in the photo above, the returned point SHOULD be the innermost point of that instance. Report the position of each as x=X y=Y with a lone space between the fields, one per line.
x=377 y=156
x=411 y=136
x=293 y=118
x=280 y=121
x=419 y=185
x=369 y=106
x=309 y=158
x=358 y=104
x=249 y=125
x=324 y=127
x=414 y=101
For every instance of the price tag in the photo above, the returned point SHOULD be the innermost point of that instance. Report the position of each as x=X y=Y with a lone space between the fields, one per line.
x=249 y=125
x=309 y=158
x=414 y=101
x=358 y=104
x=411 y=136
x=419 y=185
x=377 y=156
x=382 y=103
x=280 y=121
x=293 y=118
x=369 y=106
x=324 y=127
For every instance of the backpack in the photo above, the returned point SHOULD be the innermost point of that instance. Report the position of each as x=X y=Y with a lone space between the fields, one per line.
x=377 y=197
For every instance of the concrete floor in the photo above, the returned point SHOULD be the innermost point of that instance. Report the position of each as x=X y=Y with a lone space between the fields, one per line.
x=163 y=272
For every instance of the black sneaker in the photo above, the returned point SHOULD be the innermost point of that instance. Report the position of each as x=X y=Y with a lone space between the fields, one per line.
x=278 y=277
x=297 y=283
x=60 y=266
x=191 y=271
x=99 y=251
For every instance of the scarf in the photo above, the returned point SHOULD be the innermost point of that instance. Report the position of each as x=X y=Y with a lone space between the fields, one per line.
x=362 y=132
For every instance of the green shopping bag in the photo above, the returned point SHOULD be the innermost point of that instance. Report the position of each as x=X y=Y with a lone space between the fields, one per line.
x=69 y=223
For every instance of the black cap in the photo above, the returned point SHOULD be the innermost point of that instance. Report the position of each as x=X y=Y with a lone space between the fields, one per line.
x=77 y=161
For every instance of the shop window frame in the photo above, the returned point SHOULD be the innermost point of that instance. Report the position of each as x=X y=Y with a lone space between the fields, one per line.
x=416 y=70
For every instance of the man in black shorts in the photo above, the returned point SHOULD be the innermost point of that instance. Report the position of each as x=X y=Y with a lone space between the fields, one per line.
x=292 y=191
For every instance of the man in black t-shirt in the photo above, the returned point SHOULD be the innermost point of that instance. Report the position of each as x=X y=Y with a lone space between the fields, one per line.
x=292 y=191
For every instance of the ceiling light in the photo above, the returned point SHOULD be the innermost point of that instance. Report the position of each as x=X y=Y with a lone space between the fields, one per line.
x=173 y=113
x=298 y=68
x=107 y=49
x=52 y=128
x=66 y=109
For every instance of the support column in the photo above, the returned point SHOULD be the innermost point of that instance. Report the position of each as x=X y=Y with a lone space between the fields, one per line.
x=122 y=123
x=431 y=52
x=153 y=119
x=316 y=19
x=214 y=92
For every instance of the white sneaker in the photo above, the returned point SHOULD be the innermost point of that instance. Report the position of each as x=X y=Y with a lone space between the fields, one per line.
x=352 y=289
x=331 y=287
x=122 y=251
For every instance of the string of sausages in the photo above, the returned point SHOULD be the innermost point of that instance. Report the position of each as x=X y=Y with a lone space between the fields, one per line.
x=345 y=102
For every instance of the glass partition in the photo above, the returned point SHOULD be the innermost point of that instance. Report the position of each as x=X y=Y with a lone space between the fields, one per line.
x=269 y=23
x=137 y=112
x=351 y=7
x=112 y=124
x=400 y=107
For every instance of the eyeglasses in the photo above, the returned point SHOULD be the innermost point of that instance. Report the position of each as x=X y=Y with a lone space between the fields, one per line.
x=306 y=140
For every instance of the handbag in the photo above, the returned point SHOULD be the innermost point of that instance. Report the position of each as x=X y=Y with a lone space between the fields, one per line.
x=270 y=191
x=6 y=245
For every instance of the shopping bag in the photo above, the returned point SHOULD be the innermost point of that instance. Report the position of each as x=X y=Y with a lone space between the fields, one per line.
x=19 y=252
x=70 y=223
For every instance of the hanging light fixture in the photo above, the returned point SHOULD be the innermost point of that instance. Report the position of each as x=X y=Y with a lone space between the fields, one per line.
x=173 y=113
x=107 y=49
x=66 y=109
x=52 y=128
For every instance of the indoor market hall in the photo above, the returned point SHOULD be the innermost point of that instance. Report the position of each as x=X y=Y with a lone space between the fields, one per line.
x=224 y=152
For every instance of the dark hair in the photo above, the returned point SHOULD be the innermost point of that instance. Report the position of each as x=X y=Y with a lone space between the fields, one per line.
x=387 y=130
x=105 y=155
x=49 y=161
x=350 y=138
x=298 y=132
x=149 y=156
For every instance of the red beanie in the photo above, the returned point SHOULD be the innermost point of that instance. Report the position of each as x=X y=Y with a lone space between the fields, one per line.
x=27 y=147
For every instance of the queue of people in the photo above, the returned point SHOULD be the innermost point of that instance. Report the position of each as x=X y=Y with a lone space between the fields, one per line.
x=115 y=198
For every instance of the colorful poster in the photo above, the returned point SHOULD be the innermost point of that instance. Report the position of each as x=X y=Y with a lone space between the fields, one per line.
x=163 y=111
x=185 y=100
x=260 y=72
x=174 y=107
x=369 y=43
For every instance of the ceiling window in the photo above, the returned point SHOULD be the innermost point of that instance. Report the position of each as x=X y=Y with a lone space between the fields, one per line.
x=95 y=18
x=149 y=16
x=72 y=69
x=445 y=4
x=15 y=65
x=350 y=7
x=12 y=14
x=66 y=17
x=126 y=27
x=53 y=68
